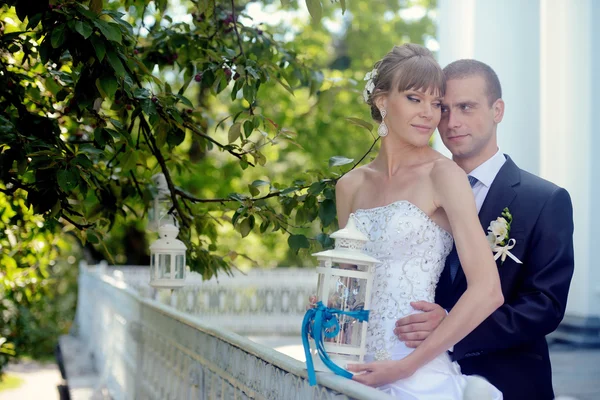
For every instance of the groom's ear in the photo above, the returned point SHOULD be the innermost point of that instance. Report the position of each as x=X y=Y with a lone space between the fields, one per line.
x=498 y=109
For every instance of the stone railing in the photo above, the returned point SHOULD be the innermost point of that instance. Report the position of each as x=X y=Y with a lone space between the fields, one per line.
x=140 y=348
x=259 y=302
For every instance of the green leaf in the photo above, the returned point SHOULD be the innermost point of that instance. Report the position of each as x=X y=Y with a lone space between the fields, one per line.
x=52 y=86
x=234 y=132
x=325 y=240
x=160 y=132
x=58 y=36
x=92 y=237
x=115 y=63
x=99 y=47
x=67 y=179
x=297 y=242
x=315 y=9
x=84 y=29
x=185 y=100
x=110 y=31
x=129 y=160
x=337 y=161
x=253 y=191
x=83 y=161
x=316 y=188
x=327 y=212
x=148 y=107
x=248 y=128
x=141 y=93
x=265 y=225
x=246 y=226
x=107 y=85
x=175 y=137
x=360 y=122
x=258 y=183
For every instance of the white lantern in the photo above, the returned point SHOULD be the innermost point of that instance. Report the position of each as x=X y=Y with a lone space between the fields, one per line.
x=167 y=259
x=161 y=204
x=345 y=283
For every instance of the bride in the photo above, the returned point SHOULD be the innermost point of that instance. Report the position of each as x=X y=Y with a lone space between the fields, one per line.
x=412 y=202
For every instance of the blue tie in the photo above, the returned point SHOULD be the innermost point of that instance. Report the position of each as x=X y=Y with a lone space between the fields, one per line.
x=452 y=260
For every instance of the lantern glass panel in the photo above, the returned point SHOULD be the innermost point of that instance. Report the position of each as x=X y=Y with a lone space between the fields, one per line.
x=179 y=266
x=164 y=261
x=152 y=267
x=347 y=294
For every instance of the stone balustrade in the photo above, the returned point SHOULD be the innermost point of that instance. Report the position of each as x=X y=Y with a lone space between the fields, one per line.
x=137 y=343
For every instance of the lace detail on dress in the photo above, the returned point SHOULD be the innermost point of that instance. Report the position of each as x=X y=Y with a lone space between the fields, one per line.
x=412 y=248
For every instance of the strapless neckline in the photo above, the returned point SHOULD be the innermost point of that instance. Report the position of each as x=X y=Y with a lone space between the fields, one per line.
x=412 y=206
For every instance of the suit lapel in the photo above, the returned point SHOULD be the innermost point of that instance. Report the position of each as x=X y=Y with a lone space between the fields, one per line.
x=500 y=195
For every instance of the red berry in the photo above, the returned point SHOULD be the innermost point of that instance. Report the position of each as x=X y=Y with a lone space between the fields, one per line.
x=67 y=110
x=198 y=77
x=228 y=72
x=236 y=76
x=259 y=32
x=189 y=111
x=129 y=107
x=154 y=99
x=136 y=51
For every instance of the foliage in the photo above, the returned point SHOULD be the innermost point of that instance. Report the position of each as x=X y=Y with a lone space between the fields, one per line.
x=37 y=293
x=251 y=127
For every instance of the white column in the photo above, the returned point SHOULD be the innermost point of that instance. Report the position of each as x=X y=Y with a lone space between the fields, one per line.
x=506 y=36
x=570 y=87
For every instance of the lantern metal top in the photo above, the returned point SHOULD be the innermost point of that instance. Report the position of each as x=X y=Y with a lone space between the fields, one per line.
x=349 y=244
x=161 y=183
x=167 y=242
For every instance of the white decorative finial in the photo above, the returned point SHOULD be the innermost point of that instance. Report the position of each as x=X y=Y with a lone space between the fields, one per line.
x=168 y=231
x=350 y=237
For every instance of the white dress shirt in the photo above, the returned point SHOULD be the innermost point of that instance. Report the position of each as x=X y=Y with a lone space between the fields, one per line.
x=485 y=174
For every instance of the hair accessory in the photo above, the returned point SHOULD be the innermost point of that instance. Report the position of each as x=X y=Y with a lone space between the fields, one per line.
x=370 y=86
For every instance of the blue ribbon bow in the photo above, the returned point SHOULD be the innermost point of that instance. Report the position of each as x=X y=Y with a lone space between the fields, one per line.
x=322 y=321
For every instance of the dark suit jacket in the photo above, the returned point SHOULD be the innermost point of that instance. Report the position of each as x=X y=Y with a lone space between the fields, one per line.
x=509 y=348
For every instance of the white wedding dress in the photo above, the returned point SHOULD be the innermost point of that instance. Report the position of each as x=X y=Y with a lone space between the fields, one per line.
x=412 y=250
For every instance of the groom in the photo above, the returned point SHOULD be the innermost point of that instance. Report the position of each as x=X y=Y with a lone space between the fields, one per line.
x=509 y=348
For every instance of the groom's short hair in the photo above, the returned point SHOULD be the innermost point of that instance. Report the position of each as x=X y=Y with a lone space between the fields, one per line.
x=467 y=68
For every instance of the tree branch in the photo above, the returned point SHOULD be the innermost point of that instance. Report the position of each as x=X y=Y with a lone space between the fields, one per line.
x=75 y=224
x=239 y=39
x=365 y=155
x=213 y=141
x=163 y=166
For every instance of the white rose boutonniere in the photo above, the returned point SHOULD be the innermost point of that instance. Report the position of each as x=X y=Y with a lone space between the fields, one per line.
x=499 y=237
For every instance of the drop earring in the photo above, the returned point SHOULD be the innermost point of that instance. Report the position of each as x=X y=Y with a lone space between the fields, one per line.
x=383 y=129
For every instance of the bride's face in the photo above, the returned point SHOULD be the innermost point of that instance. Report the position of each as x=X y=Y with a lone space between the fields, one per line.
x=412 y=115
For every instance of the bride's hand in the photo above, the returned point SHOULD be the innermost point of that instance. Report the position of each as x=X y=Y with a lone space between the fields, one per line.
x=381 y=373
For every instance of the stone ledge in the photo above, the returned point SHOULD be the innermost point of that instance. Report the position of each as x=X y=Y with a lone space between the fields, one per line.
x=77 y=366
x=577 y=331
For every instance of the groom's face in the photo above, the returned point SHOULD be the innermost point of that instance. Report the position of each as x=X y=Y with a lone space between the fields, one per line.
x=468 y=123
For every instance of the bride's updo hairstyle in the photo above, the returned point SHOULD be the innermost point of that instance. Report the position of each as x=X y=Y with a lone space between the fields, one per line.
x=406 y=67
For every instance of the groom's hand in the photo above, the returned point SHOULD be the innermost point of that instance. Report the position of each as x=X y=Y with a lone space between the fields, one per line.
x=415 y=328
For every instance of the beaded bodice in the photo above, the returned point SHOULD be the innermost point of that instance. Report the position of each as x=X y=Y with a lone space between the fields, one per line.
x=412 y=250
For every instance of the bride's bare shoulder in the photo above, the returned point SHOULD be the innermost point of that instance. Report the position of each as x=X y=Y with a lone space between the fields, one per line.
x=443 y=167
x=352 y=180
